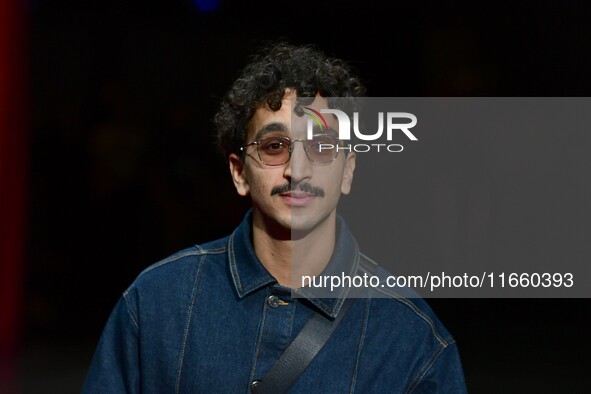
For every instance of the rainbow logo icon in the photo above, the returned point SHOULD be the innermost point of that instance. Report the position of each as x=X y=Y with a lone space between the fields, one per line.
x=316 y=117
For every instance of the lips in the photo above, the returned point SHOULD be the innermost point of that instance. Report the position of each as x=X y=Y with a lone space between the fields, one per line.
x=297 y=199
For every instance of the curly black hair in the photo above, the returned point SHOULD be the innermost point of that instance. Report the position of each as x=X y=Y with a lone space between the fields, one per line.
x=275 y=68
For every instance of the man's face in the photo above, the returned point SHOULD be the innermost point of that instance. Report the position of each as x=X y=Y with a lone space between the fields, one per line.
x=297 y=196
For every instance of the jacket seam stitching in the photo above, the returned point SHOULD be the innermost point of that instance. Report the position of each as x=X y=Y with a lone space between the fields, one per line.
x=175 y=257
x=360 y=346
x=258 y=344
x=129 y=312
x=188 y=325
x=411 y=305
x=219 y=250
x=233 y=268
x=423 y=371
x=418 y=312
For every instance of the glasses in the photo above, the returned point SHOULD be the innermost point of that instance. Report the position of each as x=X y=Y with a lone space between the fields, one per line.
x=276 y=151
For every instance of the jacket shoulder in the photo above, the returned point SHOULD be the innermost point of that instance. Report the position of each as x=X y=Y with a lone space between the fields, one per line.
x=407 y=303
x=179 y=265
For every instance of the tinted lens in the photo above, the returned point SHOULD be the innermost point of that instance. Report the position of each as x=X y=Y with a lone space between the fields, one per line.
x=274 y=150
x=322 y=148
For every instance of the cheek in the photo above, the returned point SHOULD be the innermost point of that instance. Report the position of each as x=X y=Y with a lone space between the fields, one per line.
x=332 y=188
x=255 y=187
x=260 y=194
x=335 y=178
x=261 y=183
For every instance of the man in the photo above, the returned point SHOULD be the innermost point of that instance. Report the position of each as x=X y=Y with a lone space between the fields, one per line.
x=218 y=317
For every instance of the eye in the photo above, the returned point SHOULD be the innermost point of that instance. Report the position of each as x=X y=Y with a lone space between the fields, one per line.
x=273 y=146
x=324 y=139
x=322 y=143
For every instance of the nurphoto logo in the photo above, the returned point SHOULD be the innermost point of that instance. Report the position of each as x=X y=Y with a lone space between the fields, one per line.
x=344 y=133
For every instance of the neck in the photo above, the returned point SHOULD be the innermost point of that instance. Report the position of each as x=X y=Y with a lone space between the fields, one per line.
x=289 y=255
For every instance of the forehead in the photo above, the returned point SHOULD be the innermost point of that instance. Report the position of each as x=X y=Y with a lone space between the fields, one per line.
x=285 y=119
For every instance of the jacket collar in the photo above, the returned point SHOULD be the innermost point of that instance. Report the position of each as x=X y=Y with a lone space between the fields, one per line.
x=249 y=274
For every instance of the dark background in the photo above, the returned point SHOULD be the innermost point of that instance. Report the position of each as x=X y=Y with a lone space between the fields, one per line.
x=124 y=171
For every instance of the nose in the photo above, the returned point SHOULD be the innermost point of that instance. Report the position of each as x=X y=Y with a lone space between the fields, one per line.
x=299 y=167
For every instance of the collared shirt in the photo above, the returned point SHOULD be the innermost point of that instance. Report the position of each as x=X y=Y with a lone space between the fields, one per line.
x=211 y=319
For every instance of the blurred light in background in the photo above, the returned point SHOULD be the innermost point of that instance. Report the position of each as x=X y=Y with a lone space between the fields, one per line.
x=206 y=5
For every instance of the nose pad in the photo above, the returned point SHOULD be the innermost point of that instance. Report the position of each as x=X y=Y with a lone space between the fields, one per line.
x=299 y=166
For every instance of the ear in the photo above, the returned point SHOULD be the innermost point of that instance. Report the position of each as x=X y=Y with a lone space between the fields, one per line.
x=348 y=173
x=238 y=175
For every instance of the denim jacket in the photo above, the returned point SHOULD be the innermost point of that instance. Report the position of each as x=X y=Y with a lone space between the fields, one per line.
x=211 y=319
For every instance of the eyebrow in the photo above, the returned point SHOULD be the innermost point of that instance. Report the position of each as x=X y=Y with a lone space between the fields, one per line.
x=271 y=128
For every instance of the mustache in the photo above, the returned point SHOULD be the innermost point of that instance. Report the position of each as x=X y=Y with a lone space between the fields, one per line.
x=303 y=187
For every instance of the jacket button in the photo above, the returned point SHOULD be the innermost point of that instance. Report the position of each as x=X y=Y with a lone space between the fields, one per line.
x=273 y=301
x=254 y=385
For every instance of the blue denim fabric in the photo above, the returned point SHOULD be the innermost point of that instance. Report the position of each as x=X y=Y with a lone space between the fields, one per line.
x=211 y=319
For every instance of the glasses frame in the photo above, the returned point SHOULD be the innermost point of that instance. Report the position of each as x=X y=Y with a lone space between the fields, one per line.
x=290 y=150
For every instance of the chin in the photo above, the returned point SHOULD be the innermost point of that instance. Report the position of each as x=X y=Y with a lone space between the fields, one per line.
x=302 y=224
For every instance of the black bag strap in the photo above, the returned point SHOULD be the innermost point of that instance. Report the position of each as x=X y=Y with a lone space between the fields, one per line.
x=296 y=358
x=300 y=353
